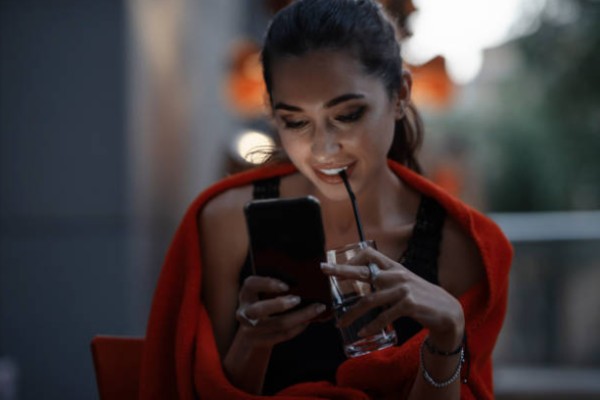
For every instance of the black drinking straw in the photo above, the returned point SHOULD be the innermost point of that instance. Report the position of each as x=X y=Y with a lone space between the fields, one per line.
x=344 y=177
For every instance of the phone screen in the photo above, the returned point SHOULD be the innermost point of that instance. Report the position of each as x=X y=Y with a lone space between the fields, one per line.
x=287 y=242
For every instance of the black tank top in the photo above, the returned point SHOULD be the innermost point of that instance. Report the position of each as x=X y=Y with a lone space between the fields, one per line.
x=315 y=354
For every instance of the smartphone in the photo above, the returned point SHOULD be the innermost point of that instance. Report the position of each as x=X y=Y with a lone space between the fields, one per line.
x=287 y=242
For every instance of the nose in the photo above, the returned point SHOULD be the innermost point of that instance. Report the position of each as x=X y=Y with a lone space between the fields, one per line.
x=325 y=142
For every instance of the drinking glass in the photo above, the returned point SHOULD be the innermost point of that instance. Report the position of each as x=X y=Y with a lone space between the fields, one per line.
x=345 y=293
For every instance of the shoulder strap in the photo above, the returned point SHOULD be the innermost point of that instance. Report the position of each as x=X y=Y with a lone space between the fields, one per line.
x=421 y=256
x=423 y=249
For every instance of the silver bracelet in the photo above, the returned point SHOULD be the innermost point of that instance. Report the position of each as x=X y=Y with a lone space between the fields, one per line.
x=455 y=375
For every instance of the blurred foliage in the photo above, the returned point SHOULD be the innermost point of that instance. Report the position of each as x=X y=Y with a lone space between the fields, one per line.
x=546 y=131
x=533 y=128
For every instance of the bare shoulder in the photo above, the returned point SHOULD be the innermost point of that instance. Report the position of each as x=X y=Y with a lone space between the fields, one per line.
x=221 y=225
x=224 y=203
x=460 y=262
x=224 y=245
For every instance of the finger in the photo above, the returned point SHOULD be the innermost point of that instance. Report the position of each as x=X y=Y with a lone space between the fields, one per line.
x=290 y=320
x=254 y=284
x=394 y=277
x=384 y=319
x=265 y=308
x=370 y=255
x=244 y=320
x=368 y=302
x=358 y=272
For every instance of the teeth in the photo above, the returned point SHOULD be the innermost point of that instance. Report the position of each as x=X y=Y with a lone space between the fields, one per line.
x=333 y=171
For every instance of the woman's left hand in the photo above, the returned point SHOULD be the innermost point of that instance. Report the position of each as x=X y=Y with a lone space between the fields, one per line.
x=401 y=293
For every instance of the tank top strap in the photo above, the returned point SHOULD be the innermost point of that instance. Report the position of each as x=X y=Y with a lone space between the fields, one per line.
x=421 y=255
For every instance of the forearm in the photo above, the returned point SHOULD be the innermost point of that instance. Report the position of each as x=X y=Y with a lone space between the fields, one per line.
x=246 y=365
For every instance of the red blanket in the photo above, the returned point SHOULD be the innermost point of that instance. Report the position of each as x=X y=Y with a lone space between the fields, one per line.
x=180 y=359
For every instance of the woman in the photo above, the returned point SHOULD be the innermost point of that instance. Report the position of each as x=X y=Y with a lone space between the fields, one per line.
x=340 y=100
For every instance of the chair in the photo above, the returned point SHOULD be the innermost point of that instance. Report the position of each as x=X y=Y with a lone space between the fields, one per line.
x=117 y=361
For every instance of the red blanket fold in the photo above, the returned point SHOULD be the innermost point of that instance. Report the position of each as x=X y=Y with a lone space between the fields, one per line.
x=180 y=359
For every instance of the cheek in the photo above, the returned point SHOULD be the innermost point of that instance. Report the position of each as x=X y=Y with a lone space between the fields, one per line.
x=380 y=134
x=388 y=135
x=388 y=122
x=287 y=143
x=294 y=147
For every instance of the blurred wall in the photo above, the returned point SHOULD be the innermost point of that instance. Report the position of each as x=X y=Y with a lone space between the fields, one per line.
x=63 y=183
x=178 y=124
x=111 y=120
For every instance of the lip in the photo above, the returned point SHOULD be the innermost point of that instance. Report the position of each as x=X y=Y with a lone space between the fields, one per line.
x=333 y=179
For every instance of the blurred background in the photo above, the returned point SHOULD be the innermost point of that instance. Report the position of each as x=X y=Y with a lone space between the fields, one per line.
x=115 y=114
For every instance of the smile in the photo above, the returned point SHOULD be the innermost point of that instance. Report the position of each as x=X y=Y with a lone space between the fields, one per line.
x=333 y=171
x=331 y=175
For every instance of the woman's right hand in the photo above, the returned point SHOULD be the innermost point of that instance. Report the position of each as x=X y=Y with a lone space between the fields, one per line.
x=260 y=324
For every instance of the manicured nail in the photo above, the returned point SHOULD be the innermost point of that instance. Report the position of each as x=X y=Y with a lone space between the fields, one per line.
x=320 y=308
x=283 y=287
x=293 y=300
x=326 y=266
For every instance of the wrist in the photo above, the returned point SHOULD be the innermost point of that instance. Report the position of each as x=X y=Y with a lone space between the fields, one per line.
x=245 y=347
x=450 y=334
x=245 y=363
x=442 y=352
x=431 y=380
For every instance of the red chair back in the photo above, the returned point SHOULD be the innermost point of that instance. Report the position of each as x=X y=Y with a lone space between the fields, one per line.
x=117 y=361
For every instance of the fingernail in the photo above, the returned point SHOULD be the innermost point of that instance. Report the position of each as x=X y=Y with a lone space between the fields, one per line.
x=293 y=300
x=283 y=287
x=320 y=308
x=361 y=333
x=325 y=266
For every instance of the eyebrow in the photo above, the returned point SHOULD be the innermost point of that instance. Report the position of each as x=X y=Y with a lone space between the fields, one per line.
x=329 y=104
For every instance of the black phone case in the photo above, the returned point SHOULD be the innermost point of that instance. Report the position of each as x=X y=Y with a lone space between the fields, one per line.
x=287 y=242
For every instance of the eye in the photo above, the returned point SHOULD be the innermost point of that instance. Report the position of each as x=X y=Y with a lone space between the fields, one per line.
x=352 y=116
x=290 y=124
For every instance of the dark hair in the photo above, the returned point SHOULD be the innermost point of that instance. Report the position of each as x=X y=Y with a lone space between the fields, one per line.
x=363 y=28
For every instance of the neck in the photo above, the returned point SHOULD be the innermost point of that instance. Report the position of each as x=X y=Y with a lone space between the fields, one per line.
x=375 y=200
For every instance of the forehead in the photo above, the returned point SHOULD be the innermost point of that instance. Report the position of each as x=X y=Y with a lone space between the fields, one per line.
x=319 y=76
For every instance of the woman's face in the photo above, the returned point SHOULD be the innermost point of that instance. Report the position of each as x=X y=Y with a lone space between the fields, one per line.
x=331 y=115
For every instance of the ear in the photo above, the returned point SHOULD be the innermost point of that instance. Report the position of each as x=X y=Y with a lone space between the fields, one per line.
x=402 y=97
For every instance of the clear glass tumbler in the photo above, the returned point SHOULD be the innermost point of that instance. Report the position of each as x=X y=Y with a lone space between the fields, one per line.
x=347 y=292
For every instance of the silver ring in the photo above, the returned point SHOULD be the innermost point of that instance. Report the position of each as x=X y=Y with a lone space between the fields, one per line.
x=246 y=319
x=374 y=272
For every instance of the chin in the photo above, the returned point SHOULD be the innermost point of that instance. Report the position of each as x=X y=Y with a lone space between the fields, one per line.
x=332 y=192
x=336 y=197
